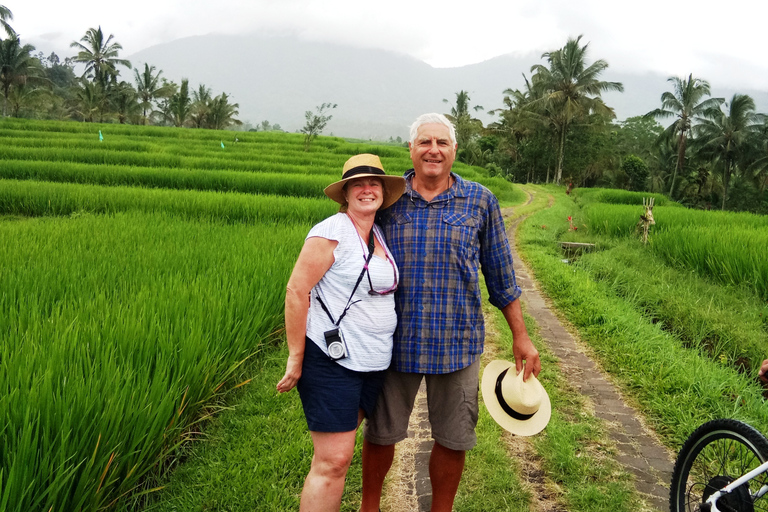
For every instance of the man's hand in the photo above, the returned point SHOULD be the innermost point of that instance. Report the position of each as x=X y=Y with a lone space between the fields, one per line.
x=522 y=346
x=763 y=373
x=525 y=351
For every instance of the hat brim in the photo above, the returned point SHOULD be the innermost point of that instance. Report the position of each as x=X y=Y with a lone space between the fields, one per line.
x=394 y=187
x=529 y=427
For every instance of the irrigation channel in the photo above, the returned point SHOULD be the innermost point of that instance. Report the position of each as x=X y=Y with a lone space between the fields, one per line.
x=638 y=450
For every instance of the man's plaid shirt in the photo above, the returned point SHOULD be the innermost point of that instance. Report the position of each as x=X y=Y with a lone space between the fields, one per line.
x=440 y=246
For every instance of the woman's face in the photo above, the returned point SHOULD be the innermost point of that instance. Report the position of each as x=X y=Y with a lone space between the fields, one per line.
x=364 y=195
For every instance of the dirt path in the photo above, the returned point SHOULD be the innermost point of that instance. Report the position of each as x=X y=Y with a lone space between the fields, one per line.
x=639 y=450
x=408 y=488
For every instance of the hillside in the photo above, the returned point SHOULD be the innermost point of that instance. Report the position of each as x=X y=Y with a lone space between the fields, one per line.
x=378 y=93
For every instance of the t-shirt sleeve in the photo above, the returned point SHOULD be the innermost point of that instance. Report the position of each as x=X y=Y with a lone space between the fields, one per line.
x=333 y=228
x=326 y=229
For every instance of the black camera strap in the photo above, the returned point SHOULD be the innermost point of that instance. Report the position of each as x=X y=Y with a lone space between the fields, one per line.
x=371 y=248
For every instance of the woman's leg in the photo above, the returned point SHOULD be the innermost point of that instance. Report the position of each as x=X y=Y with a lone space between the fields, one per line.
x=324 y=484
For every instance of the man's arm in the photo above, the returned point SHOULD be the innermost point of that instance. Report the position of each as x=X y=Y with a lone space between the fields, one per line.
x=522 y=346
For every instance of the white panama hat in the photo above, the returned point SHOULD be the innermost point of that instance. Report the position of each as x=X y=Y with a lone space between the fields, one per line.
x=521 y=407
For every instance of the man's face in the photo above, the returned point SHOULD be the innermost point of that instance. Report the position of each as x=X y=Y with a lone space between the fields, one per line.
x=432 y=153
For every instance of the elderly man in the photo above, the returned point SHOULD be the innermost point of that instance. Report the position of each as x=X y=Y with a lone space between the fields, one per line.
x=442 y=232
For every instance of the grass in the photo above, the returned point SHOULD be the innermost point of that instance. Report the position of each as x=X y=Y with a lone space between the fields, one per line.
x=294 y=185
x=677 y=387
x=130 y=301
x=35 y=199
x=118 y=332
x=139 y=275
x=254 y=456
x=578 y=461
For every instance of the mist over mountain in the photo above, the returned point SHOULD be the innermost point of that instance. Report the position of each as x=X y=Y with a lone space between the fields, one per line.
x=378 y=93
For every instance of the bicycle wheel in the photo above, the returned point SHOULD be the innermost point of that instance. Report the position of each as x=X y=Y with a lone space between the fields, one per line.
x=716 y=454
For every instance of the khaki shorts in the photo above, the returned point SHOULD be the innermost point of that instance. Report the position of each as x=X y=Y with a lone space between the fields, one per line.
x=452 y=403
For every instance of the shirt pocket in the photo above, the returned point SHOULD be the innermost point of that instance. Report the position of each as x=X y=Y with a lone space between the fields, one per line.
x=400 y=218
x=462 y=232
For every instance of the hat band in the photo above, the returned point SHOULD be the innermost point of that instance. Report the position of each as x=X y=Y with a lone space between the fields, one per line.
x=362 y=169
x=503 y=403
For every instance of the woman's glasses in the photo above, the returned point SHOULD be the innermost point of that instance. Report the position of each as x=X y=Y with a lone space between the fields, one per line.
x=389 y=290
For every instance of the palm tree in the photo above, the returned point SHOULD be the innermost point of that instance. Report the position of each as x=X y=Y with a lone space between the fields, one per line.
x=149 y=88
x=684 y=103
x=124 y=99
x=17 y=65
x=571 y=90
x=221 y=113
x=99 y=56
x=177 y=108
x=724 y=134
x=89 y=100
x=759 y=166
x=5 y=15
x=466 y=126
x=201 y=106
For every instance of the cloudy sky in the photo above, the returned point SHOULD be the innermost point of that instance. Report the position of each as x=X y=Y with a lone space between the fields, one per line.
x=722 y=42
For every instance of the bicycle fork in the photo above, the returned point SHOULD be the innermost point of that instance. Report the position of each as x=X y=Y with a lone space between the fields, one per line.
x=711 y=504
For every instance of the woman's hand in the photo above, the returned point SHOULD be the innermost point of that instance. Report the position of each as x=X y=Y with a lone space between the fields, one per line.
x=292 y=374
x=763 y=373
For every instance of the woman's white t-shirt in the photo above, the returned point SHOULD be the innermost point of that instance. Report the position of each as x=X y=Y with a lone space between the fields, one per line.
x=368 y=326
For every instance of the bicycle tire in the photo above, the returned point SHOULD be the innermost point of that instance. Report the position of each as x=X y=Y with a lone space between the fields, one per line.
x=717 y=453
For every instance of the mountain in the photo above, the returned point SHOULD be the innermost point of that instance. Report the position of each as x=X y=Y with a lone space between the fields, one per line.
x=378 y=93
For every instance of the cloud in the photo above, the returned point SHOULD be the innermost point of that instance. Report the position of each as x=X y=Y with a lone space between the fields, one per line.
x=674 y=38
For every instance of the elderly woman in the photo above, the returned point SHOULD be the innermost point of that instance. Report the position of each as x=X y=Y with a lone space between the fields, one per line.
x=339 y=321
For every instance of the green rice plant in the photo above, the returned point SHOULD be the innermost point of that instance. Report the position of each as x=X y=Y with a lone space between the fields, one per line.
x=35 y=199
x=53 y=144
x=726 y=247
x=161 y=132
x=723 y=322
x=116 y=333
x=156 y=177
x=255 y=456
x=506 y=192
x=585 y=196
x=732 y=256
x=678 y=388
x=684 y=217
x=108 y=156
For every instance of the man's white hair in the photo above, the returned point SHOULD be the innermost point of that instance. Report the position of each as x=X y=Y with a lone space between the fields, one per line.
x=432 y=118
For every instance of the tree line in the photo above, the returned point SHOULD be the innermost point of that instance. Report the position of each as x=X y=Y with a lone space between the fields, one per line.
x=47 y=87
x=557 y=128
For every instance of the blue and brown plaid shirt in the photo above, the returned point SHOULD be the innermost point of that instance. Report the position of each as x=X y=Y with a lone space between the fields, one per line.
x=440 y=247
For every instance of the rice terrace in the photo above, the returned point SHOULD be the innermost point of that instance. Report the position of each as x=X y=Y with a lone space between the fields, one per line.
x=142 y=288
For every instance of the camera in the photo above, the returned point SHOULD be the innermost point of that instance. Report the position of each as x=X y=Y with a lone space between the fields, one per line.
x=337 y=349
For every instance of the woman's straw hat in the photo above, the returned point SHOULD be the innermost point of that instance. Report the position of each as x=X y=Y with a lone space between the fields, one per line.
x=522 y=407
x=367 y=165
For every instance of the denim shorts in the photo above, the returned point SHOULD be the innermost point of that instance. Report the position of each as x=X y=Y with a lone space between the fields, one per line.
x=452 y=399
x=333 y=395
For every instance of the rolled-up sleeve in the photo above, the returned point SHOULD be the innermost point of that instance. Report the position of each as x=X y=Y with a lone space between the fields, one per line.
x=496 y=258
